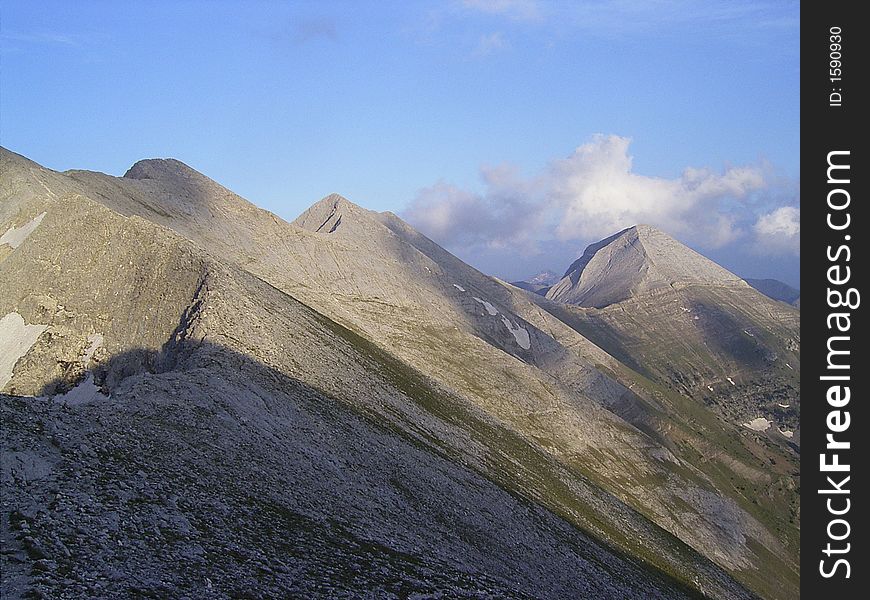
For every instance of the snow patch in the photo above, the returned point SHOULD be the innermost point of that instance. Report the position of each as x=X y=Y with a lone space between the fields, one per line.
x=787 y=433
x=16 y=338
x=789 y=366
x=489 y=307
x=710 y=387
x=87 y=391
x=758 y=424
x=521 y=335
x=749 y=333
x=84 y=393
x=731 y=381
x=96 y=340
x=459 y=287
x=14 y=236
x=779 y=404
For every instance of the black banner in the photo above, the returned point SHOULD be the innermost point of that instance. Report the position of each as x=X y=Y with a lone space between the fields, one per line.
x=835 y=424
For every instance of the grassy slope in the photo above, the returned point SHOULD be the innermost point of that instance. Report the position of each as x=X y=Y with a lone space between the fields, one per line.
x=523 y=468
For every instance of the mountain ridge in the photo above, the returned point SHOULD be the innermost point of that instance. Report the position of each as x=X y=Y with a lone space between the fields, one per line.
x=778 y=290
x=539 y=283
x=389 y=287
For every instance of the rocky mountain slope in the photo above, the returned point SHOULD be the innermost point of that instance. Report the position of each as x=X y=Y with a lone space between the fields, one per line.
x=203 y=372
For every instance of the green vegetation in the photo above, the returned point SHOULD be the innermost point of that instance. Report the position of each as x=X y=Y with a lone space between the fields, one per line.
x=525 y=470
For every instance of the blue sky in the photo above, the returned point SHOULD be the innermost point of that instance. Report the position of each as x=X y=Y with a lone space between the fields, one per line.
x=512 y=131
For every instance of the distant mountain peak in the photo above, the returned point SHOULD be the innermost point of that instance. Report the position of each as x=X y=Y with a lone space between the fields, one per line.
x=160 y=168
x=326 y=215
x=539 y=283
x=773 y=288
x=635 y=261
x=546 y=277
x=575 y=269
x=336 y=200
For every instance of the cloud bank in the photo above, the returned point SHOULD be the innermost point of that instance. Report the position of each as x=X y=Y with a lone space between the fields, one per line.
x=779 y=231
x=594 y=193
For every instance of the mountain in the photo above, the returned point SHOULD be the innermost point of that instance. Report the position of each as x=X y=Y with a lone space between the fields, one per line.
x=544 y=278
x=634 y=262
x=540 y=283
x=773 y=288
x=688 y=323
x=204 y=396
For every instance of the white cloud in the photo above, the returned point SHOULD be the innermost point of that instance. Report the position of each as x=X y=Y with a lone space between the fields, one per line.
x=594 y=193
x=506 y=216
x=779 y=231
x=597 y=194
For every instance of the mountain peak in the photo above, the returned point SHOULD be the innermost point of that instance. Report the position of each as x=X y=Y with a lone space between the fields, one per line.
x=335 y=200
x=635 y=261
x=544 y=277
x=160 y=168
x=539 y=283
x=641 y=232
x=575 y=269
x=325 y=215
